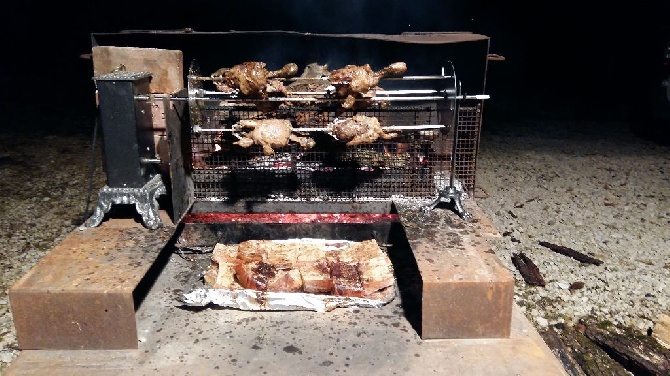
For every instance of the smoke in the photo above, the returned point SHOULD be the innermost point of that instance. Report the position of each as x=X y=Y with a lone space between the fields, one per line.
x=330 y=17
x=383 y=17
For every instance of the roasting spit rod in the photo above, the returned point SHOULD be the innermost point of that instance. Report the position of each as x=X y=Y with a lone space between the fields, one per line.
x=416 y=127
x=308 y=99
x=384 y=98
x=384 y=92
x=302 y=99
x=325 y=78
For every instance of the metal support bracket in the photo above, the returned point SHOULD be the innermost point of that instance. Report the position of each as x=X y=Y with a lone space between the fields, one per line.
x=144 y=198
x=451 y=194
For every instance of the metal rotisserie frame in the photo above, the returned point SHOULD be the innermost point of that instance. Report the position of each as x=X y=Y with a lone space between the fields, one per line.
x=423 y=157
x=432 y=159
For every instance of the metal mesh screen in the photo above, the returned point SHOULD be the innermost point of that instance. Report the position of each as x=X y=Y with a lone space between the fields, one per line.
x=409 y=164
x=469 y=123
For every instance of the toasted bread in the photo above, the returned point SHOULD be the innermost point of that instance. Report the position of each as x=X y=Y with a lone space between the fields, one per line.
x=282 y=255
x=316 y=277
x=221 y=272
x=346 y=280
x=255 y=275
x=288 y=280
x=376 y=274
x=253 y=250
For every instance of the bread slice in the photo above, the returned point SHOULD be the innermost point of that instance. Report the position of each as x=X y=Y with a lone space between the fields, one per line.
x=288 y=280
x=376 y=274
x=355 y=252
x=221 y=272
x=309 y=252
x=253 y=250
x=346 y=279
x=255 y=275
x=210 y=274
x=316 y=277
x=314 y=270
x=364 y=250
x=282 y=255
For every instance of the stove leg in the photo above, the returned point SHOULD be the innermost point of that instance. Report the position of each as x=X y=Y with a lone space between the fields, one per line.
x=144 y=198
x=448 y=195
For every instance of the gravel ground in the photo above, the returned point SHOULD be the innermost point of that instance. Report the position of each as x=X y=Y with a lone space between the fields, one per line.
x=590 y=186
x=44 y=181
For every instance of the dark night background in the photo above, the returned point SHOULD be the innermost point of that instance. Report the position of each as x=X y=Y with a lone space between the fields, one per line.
x=588 y=59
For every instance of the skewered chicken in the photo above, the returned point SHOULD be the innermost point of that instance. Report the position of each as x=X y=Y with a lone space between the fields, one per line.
x=359 y=129
x=252 y=79
x=270 y=134
x=359 y=81
x=311 y=79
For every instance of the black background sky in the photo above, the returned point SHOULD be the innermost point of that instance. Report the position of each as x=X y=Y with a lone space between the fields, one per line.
x=598 y=53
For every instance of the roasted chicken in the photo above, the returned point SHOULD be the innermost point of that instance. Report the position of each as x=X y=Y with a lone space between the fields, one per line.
x=359 y=81
x=311 y=79
x=253 y=80
x=359 y=129
x=270 y=134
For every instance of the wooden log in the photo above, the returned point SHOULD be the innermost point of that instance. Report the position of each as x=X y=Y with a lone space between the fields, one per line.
x=640 y=353
x=571 y=253
x=662 y=330
x=562 y=352
x=593 y=360
x=529 y=271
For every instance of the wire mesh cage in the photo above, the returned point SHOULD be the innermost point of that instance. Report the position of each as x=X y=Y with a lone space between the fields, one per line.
x=289 y=148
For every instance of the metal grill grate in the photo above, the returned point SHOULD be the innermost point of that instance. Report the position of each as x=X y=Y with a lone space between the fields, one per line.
x=469 y=123
x=403 y=166
x=230 y=165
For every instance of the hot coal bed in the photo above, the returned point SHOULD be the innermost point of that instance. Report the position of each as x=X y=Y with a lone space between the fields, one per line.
x=231 y=176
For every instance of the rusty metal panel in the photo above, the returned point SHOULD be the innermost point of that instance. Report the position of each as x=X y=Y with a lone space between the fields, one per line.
x=166 y=66
x=467 y=310
x=178 y=135
x=206 y=235
x=73 y=320
x=80 y=295
x=466 y=291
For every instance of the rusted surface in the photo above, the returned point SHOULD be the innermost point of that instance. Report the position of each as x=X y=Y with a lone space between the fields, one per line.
x=662 y=329
x=348 y=341
x=208 y=234
x=166 y=66
x=80 y=294
x=467 y=292
x=73 y=320
x=529 y=271
x=290 y=218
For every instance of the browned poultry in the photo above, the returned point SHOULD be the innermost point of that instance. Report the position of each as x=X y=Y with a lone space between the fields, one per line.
x=310 y=79
x=253 y=80
x=359 y=81
x=360 y=129
x=270 y=134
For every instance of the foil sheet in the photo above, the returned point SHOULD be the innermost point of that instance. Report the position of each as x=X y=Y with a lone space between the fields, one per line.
x=254 y=300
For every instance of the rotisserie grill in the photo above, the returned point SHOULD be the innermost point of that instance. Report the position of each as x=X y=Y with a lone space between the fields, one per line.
x=304 y=127
x=302 y=170
x=414 y=138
